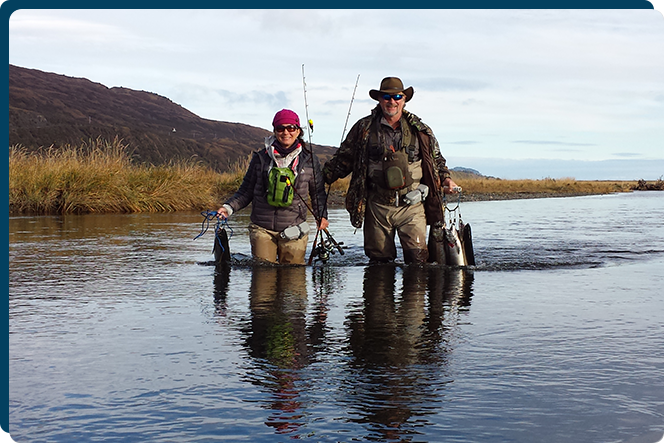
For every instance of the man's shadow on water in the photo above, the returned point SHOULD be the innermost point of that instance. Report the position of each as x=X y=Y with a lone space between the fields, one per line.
x=398 y=345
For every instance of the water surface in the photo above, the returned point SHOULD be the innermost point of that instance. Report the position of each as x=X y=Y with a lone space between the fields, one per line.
x=119 y=331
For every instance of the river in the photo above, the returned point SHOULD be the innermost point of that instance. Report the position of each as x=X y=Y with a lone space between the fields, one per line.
x=121 y=330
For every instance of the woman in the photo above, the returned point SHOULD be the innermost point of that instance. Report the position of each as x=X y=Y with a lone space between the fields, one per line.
x=278 y=180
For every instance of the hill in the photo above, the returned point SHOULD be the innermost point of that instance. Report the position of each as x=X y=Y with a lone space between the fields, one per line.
x=47 y=109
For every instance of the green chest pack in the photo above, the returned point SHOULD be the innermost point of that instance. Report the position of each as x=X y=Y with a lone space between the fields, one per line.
x=280 y=187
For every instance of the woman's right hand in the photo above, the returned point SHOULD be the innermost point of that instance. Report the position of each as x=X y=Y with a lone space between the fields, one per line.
x=323 y=224
x=223 y=213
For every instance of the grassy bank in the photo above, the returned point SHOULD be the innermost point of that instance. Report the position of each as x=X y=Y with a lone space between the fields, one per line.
x=483 y=188
x=493 y=188
x=100 y=177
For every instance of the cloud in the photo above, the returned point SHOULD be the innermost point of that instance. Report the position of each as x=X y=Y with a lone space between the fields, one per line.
x=64 y=27
x=273 y=100
x=471 y=102
x=627 y=155
x=451 y=84
x=84 y=34
x=551 y=142
x=548 y=83
x=227 y=97
x=511 y=169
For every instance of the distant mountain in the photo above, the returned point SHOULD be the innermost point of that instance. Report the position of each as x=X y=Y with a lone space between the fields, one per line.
x=47 y=109
x=468 y=171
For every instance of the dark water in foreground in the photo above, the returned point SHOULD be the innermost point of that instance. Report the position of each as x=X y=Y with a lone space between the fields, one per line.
x=119 y=332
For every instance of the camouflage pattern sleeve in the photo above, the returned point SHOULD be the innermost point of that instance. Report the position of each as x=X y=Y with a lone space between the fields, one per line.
x=342 y=163
x=317 y=193
x=438 y=159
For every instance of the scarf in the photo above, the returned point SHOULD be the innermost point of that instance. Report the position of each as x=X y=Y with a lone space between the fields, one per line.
x=280 y=158
x=285 y=151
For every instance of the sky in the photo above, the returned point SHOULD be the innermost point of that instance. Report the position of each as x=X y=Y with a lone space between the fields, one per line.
x=513 y=94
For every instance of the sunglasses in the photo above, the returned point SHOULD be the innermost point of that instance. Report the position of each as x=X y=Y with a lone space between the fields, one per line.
x=289 y=128
x=396 y=97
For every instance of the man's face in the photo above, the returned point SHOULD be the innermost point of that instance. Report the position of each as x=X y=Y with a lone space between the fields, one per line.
x=392 y=105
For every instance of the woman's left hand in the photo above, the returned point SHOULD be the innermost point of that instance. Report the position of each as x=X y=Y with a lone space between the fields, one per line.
x=323 y=224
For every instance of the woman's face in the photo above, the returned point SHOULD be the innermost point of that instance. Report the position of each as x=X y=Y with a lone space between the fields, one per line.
x=286 y=134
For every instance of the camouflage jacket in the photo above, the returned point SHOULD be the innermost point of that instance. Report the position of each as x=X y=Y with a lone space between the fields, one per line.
x=353 y=157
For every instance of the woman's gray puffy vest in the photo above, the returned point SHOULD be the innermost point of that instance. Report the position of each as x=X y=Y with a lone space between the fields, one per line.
x=254 y=190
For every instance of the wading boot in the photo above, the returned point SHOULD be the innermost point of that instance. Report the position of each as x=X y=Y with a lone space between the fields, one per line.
x=415 y=256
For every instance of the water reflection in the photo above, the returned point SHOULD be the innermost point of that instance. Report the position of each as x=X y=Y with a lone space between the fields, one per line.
x=222 y=276
x=326 y=281
x=112 y=326
x=405 y=327
x=398 y=341
x=278 y=340
x=400 y=345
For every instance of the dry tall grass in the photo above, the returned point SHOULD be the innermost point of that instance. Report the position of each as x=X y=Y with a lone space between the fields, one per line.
x=548 y=186
x=99 y=177
x=481 y=188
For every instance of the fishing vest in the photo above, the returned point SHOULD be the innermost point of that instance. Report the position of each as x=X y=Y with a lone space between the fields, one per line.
x=394 y=162
x=280 y=183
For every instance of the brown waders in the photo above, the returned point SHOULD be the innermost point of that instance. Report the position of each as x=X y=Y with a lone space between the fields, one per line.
x=383 y=221
x=268 y=245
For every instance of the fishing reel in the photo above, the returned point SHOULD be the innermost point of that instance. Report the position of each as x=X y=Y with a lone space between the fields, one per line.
x=323 y=251
x=326 y=247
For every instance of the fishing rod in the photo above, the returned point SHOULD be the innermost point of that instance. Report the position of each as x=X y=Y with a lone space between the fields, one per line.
x=323 y=249
x=343 y=133
x=310 y=129
x=328 y=246
x=349 y=108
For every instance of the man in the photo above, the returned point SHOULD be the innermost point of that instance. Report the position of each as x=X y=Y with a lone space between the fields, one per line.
x=398 y=175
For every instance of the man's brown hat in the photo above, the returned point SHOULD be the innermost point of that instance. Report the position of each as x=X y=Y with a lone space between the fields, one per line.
x=391 y=85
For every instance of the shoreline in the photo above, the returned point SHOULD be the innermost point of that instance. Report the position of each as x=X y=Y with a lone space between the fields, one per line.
x=100 y=177
x=337 y=199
